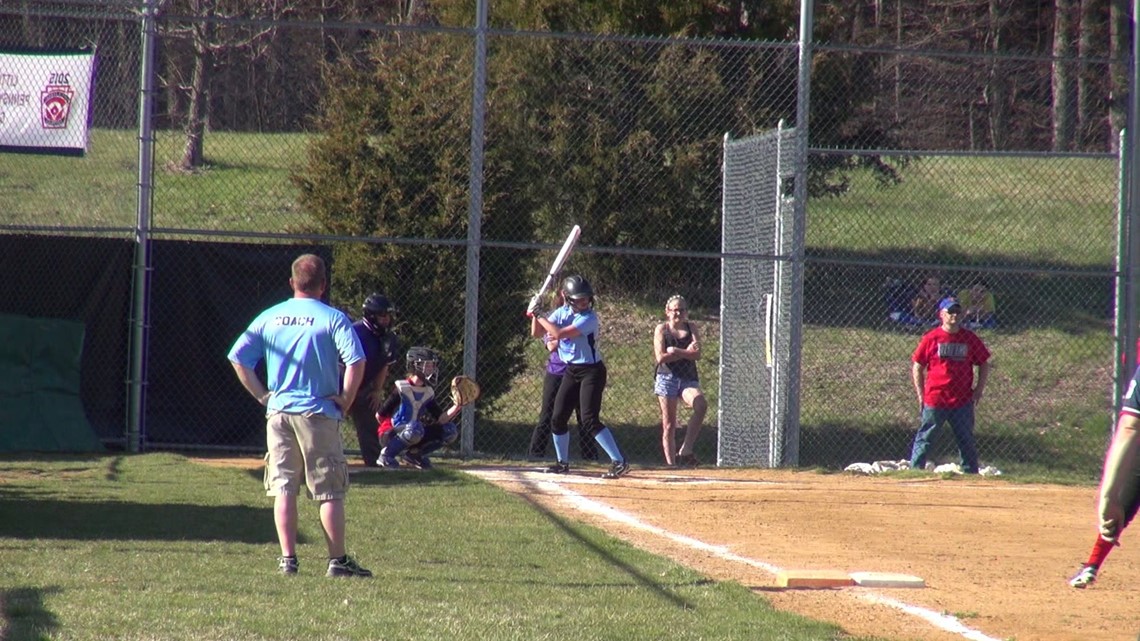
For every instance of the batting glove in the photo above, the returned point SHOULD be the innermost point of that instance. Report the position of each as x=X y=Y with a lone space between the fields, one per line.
x=535 y=305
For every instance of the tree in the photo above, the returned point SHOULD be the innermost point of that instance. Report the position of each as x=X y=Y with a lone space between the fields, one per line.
x=393 y=161
x=1119 y=47
x=251 y=38
x=1064 y=89
x=1090 y=33
x=209 y=35
x=995 y=95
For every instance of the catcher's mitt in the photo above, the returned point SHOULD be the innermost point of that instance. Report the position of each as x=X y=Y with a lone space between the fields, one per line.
x=464 y=390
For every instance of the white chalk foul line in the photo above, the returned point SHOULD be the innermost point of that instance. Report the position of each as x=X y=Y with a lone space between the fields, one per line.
x=941 y=621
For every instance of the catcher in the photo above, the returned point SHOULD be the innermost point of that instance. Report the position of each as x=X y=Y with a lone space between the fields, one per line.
x=412 y=424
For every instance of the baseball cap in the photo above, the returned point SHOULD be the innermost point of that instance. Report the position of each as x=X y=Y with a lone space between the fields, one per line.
x=948 y=302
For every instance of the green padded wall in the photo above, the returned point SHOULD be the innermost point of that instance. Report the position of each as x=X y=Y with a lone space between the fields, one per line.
x=39 y=386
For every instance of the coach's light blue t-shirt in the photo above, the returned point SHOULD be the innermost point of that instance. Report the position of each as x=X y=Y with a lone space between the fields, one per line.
x=303 y=342
x=582 y=349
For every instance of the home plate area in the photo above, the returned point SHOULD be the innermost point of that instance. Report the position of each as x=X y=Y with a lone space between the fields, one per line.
x=748 y=525
x=785 y=578
x=870 y=591
x=593 y=475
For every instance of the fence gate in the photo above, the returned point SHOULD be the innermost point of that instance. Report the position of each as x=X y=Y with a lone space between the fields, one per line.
x=756 y=278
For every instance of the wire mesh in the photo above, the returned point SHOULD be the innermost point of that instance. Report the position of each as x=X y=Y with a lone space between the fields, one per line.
x=349 y=132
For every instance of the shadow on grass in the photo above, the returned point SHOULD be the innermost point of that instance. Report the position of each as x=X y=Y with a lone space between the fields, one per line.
x=646 y=581
x=23 y=616
x=845 y=288
x=24 y=515
x=408 y=476
x=836 y=446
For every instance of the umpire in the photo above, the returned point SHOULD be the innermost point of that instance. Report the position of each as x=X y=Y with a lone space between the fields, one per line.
x=380 y=349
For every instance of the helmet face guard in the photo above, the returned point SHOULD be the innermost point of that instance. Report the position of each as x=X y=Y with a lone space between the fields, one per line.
x=424 y=362
x=376 y=306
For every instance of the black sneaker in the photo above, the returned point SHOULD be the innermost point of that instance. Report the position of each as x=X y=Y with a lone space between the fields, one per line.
x=618 y=469
x=687 y=460
x=416 y=460
x=347 y=567
x=558 y=468
x=287 y=564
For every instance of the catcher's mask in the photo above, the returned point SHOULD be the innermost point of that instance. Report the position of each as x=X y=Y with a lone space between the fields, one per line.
x=375 y=306
x=425 y=362
x=576 y=288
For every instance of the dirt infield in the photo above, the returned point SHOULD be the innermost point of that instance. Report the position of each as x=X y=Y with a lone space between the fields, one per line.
x=995 y=555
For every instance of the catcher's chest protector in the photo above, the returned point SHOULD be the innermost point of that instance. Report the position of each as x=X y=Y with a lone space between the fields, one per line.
x=413 y=398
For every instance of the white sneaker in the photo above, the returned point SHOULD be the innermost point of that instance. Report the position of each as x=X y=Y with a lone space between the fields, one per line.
x=1084 y=578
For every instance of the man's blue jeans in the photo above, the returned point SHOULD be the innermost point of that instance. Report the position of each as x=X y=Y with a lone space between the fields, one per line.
x=961 y=420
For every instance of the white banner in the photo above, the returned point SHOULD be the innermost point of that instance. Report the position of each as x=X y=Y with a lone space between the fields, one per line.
x=45 y=100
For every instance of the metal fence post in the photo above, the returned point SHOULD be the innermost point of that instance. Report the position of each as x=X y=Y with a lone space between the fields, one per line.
x=136 y=411
x=799 y=223
x=474 y=221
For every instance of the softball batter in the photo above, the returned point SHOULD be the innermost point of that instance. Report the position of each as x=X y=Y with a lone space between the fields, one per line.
x=575 y=326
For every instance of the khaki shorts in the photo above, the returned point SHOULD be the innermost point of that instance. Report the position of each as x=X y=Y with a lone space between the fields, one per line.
x=305 y=447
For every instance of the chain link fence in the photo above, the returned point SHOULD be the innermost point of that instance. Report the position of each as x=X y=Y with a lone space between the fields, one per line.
x=278 y=133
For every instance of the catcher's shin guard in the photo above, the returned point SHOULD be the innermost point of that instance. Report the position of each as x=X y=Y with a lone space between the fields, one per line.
x=450 y=433
x=393 y=448
x=410 y=433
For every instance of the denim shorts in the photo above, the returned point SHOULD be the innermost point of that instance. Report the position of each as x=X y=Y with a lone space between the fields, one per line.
x=669 y=386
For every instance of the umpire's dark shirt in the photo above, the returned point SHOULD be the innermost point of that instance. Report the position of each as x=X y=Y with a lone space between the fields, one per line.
x=378 y=350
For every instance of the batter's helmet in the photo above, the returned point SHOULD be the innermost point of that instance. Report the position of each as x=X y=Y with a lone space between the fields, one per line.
x=577 y=287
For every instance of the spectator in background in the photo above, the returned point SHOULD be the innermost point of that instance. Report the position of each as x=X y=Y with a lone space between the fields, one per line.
x=978 y=306
x=942 y=371
x=924 y=304
x=897 y=297
x=676 y=349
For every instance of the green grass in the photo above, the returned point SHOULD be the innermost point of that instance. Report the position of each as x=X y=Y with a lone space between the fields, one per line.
x=1035 y=209
x=1039 y=210
x=1044 y=412
x=154 y=547
x=244 y=186
x=97 y=190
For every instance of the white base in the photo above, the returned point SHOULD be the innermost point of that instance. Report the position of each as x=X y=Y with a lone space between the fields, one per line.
x=887 y=580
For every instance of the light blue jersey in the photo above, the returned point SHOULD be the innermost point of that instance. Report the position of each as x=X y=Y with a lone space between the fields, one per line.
x=303 y=341
x=582 y=349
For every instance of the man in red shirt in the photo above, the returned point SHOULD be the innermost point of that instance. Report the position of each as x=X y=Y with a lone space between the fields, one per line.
x=943 y=376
